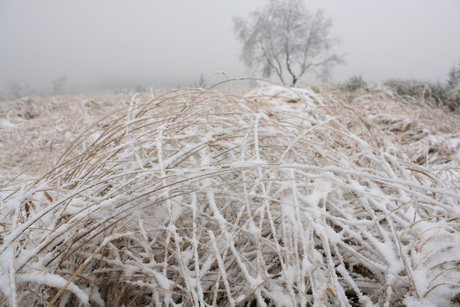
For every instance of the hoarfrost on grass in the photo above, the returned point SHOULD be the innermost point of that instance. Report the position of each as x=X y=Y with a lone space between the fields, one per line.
x=280 y=196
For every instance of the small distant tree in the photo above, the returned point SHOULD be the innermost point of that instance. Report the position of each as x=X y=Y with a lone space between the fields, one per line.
x=285 y=38
x=15 y=88
x=58 y=85
x=454 y=76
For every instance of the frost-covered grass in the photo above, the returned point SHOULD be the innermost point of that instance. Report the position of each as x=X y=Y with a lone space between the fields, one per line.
x=33 y=128
x=278 y=197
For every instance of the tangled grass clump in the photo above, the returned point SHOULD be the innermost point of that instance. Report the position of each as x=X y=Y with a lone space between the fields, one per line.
x=204 y=198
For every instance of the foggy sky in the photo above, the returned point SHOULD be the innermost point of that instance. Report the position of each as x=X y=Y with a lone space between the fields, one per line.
x=120 y=43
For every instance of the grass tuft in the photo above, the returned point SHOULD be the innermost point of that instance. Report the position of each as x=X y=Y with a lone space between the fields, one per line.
x=275 y=197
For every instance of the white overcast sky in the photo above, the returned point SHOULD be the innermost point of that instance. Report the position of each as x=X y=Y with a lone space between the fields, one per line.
x=96 y=43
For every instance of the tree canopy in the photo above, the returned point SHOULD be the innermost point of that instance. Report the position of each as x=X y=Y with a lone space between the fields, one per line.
x=286 y=39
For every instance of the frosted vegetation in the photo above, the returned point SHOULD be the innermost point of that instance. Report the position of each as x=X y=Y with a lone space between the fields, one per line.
x=274 y=197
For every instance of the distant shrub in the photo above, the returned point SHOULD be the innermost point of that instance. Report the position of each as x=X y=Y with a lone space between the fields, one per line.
x=408 y=88
x=453 y=84
x=425 y=93
x=354 y=83
x=454 y=99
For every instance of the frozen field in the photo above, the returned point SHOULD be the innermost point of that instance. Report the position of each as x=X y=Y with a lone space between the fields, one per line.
x=272 y=197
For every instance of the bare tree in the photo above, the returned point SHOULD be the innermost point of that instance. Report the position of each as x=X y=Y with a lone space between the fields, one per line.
x=285 y=38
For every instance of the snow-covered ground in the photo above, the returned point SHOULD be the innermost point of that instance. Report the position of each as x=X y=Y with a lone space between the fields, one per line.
x=284 y=197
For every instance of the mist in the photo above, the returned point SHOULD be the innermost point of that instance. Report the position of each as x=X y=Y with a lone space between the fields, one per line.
x=109 y=45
